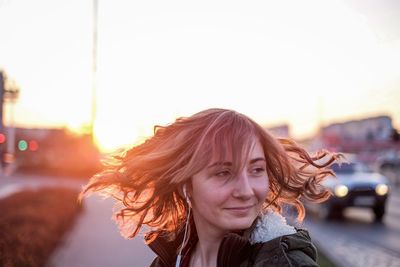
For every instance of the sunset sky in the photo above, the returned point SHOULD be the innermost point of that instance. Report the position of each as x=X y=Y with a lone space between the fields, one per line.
x=304 y=63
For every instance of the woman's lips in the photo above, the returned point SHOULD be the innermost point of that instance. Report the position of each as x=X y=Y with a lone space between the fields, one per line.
x=241 y=207
x=240 y=210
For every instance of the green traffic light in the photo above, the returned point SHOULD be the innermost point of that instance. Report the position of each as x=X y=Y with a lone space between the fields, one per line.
x=22 y=145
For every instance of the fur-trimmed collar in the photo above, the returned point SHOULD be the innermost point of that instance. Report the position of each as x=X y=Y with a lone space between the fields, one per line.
x=269 y=225
x=234 y=246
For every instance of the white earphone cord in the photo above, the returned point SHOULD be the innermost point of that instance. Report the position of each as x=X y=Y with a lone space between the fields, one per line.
x=178 y=258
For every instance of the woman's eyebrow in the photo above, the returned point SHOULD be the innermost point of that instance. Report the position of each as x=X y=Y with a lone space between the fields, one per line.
x=257 y=159
x=229 y=163
x=220 y=163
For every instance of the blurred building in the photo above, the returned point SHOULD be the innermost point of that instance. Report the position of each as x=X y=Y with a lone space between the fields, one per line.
x=279 y=131
x=369 y=129
x=368 y=138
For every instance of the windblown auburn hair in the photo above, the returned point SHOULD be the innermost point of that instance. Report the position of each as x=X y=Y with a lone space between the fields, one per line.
x=147 y=179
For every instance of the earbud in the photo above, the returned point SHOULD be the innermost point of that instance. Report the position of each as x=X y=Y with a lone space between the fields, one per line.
x=186 y=195
x=184 y=191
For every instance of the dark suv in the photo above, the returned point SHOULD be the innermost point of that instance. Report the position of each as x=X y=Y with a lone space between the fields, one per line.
x=355 y=186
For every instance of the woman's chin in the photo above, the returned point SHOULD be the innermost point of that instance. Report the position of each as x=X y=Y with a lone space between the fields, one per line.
x=239 y=223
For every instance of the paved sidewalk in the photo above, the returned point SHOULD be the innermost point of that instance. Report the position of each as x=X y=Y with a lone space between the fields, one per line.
x=95 y=241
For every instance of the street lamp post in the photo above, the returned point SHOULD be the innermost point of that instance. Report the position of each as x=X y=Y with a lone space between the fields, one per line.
x=94 y=68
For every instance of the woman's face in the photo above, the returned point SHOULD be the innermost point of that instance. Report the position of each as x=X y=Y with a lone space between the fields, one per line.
x=223 y=201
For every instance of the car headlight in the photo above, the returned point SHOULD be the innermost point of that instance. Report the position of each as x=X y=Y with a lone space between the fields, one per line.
x=341 y=190
x=381 y=189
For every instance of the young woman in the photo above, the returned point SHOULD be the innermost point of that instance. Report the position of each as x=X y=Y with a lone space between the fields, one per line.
x=210 y=188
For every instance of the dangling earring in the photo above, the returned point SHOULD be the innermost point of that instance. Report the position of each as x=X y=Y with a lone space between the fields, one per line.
x=185 y=237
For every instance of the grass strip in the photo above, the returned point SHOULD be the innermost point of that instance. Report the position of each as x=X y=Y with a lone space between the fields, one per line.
x=324 y=261
x=33 y=223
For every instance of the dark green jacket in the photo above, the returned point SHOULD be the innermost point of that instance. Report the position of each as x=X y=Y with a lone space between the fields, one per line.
x=235 y=250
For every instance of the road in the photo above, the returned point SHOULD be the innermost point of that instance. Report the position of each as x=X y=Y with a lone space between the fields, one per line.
x=357 y=240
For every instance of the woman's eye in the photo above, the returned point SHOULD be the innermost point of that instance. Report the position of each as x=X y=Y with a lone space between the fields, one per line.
x=258 y=170
x=223 y=174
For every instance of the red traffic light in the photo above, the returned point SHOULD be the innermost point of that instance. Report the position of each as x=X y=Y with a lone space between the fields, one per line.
x=33 y=145
x=2 y=138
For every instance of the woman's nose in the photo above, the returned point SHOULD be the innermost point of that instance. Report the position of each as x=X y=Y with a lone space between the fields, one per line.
x=243 y=187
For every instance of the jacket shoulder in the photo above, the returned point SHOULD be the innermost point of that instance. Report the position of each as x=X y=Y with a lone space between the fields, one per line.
x=288 y=250
x=299 y=249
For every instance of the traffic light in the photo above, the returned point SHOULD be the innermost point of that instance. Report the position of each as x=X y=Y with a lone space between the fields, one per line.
x=33 y=145
x=22 y=145
x=2 y=138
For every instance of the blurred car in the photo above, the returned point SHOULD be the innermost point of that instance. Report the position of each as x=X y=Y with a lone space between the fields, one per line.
x=355 y=186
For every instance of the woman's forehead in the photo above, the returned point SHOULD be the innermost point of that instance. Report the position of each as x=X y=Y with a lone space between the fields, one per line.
x=237 y=153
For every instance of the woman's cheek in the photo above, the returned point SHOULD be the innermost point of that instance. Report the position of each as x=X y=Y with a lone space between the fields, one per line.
x=261 y=187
